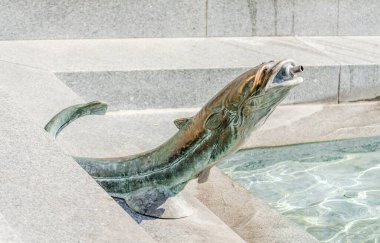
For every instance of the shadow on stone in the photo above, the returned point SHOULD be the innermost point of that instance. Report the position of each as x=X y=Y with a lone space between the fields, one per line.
x=136 y=216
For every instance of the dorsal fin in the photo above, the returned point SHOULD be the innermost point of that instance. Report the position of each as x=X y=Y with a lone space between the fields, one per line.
x=180 y=122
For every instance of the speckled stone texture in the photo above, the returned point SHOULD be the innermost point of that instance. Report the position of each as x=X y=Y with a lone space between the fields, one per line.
x=201 y=226
x=295 y=17
x=360 y=83
x=249 y=216
x=45 y=195
x=25 y=20
x=177 y=73
x=7 y=234
x=101 y=19
x=29 y=97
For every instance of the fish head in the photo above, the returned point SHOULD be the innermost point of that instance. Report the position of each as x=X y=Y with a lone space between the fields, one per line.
x=281 y=75
x=265 y=80
x=272 y=82
x=252 y=96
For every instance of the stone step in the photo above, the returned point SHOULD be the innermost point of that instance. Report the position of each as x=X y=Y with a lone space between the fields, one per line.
x=198 y=18
x=177 y=73
x=254 y=220
x=45 y=195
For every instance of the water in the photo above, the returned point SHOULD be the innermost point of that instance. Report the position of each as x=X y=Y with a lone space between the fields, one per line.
x=332 y=189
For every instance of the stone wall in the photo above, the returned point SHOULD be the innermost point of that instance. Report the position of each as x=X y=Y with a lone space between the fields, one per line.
x=68 y=19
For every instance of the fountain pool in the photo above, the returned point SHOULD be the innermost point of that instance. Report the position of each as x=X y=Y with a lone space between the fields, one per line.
x=332 y=189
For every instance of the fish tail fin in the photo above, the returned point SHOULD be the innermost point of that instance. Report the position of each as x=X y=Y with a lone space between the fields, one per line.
x=69 y=114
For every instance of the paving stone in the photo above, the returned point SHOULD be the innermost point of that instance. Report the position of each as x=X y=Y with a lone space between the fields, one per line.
x=38 y=92
x=202 y=226
x=7 y=234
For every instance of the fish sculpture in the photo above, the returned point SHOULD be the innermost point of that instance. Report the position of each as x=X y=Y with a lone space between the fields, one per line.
x=148 y=180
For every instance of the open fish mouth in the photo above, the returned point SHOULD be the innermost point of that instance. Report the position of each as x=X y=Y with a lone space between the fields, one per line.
x=283 y=75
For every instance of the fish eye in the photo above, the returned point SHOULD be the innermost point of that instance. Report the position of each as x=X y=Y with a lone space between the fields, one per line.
x=285 y=71
x=283 y=74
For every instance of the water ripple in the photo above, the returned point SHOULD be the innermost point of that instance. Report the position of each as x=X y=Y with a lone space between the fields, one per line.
x=332 y=189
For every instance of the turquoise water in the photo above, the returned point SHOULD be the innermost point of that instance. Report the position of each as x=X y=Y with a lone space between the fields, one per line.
x=332 y=189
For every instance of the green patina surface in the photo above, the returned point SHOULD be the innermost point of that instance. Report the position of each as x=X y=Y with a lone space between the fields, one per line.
x=212 y=134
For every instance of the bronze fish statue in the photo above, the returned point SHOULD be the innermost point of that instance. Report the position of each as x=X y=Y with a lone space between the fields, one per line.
x=149 y=179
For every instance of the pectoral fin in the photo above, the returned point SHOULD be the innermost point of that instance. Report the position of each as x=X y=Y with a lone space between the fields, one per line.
x=180 y=122
x=203 y=175
x=158 y=202
x=214 y=121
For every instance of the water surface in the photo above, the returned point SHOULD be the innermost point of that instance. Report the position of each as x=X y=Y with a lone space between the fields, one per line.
x=332 y=189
